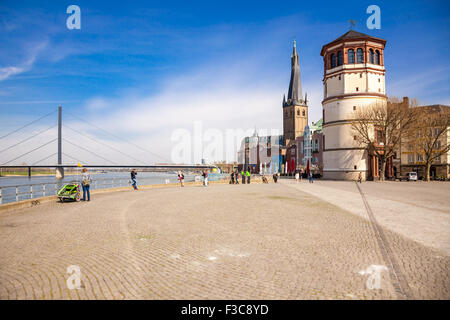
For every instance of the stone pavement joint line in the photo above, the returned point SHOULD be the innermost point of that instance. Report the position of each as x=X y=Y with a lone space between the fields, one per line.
x=398 y=279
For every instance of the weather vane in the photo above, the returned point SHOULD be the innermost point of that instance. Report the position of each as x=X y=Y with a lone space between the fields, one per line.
x=352 y=24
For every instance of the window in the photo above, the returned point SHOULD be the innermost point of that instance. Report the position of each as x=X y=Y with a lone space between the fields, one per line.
x=437 y=160
x=379 y=136
x=436 y=132
x=357 y=89
x=371 y=56
x=351 y=56
x=379 y=90
x=354 y=137
x=354 y=167
x=419 y=158
x=333 y=60
x=339 y=58
x=377 y=57
x=379 y=80
x=316 y=160
x=323 y=116
x=298 y=112
x=339 y=77
x=360 y=75
x=303 y=113
x=354 y=108
x=410 y=158
x=359 y=56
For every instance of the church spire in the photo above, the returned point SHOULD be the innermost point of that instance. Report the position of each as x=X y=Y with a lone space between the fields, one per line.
x=295 y=85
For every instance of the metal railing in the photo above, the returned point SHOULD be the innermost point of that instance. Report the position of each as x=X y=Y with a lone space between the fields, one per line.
x=14 y=193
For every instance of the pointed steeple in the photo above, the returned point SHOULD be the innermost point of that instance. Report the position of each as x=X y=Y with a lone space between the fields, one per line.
x=295 y=85
x=284 y=99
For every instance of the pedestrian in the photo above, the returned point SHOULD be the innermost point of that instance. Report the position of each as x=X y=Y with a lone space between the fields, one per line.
x=275 y=177
x=236 y=177
x=247 y=173
x=232 y=178
x=181 y=178
x=86 y=183
x=243 y=176
x=311 y=180
x=205 y=178
x=133 y=179
x=360 y=177
x=297 y=176
x=301 y=175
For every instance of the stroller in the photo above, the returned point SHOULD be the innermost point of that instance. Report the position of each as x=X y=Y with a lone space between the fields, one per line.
x=70 y=192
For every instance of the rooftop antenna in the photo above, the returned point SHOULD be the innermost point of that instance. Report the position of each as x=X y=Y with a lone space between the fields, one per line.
x=352 y=23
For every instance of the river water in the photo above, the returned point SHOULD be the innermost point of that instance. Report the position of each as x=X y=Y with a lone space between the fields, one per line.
x=19 y=188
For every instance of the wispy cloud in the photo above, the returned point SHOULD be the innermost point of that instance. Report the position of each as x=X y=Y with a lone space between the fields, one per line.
x=6 y=72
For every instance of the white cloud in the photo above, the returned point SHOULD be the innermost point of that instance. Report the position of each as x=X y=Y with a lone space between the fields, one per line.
x=6 y=72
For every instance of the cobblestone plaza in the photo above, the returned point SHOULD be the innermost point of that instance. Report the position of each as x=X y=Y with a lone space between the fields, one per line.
x=259 y=241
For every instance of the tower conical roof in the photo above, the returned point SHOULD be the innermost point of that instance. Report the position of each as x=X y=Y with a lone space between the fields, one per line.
x=295 y=84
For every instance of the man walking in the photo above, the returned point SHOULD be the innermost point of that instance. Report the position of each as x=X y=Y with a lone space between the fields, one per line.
x=181 y=178
x=133 y=179
x=311 y=180
x=247 y=173
x=86 y=183
x=243 y=176
x=360 y=177
x=205 y=177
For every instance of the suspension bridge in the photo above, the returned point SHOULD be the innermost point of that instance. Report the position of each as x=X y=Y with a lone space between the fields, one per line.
x=59 y=166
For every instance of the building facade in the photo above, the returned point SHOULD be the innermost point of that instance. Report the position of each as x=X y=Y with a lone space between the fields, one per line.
x=307 y=150
x=415 y=161
x=354 y=77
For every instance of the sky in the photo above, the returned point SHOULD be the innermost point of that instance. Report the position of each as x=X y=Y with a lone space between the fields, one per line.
x=152 y=72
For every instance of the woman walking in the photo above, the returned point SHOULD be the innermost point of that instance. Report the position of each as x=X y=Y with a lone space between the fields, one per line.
x=181 y=178
x=86 y=183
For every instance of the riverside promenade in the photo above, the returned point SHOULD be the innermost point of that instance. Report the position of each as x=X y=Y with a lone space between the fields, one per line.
x=259 y=241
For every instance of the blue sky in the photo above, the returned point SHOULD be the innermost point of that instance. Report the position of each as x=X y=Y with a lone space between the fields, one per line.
x=145 y=68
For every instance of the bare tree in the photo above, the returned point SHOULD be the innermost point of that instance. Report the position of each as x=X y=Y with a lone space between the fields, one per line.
x=378 y=128
x=428 y=136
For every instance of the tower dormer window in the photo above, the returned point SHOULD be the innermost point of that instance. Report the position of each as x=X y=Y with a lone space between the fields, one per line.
x=339 y=58
x=359 y=55
x=371 y=58
x=351 y=56
x=333 y=60
x=377 y=57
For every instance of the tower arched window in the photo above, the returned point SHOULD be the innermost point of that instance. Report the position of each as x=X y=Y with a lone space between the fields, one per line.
x=371 y=60
x=359 y=56
x=351 y=56
x=303 y=113
x=333 y=60
x=377 y=57
x=339 y=58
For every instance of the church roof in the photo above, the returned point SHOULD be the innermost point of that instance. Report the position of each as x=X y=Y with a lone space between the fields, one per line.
x=295 y=96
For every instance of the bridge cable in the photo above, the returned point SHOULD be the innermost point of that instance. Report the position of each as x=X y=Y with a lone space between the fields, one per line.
x=77 y=160
x=29 y=138
x=111 y=134
x=104 y=144
x=30 y=151
x=28 y=124
x=91 y=152
x=45 y=158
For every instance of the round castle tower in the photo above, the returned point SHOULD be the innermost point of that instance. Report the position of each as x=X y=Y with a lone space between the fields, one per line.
x=353 y=78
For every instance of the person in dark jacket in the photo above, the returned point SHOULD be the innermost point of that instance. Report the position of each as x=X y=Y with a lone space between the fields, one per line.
x=133 y=179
